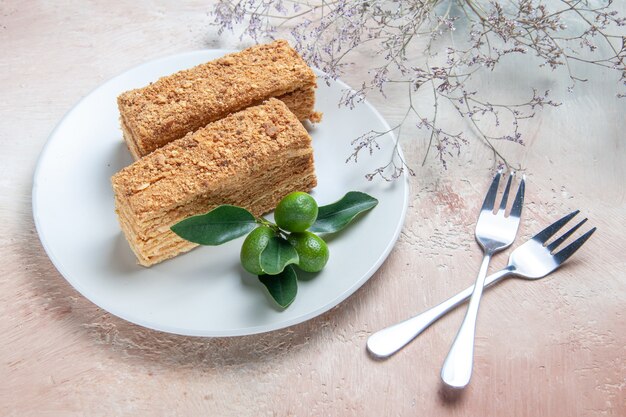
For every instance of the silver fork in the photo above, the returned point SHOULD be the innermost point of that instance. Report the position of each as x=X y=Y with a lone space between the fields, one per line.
x=506 y=229
x=494 y=232
x=533 y=260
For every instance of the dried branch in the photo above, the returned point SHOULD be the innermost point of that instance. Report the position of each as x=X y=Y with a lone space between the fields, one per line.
x=328 y=33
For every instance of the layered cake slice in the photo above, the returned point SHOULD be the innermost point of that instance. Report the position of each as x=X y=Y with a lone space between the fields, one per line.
x=183 y=102
x=251 y=159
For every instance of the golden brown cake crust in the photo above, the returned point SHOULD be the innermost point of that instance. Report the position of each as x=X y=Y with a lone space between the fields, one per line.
x=251 y=158
x=211 y=157
x=187 y=100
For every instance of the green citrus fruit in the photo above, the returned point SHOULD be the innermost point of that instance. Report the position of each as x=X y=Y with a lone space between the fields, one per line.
x=312 y=251
x=296 y=212
x=252 y=247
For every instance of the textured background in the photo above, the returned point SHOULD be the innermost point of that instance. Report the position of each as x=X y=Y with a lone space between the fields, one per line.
x=555 y=347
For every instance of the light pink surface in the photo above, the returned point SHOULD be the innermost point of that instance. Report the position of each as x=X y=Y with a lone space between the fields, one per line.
x=555 y=347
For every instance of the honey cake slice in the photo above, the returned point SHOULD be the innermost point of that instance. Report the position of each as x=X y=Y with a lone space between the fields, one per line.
x=183 y=102
x=252 y=159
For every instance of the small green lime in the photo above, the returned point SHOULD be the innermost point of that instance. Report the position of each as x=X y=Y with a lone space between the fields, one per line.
x=296 y=212
x=252 y=247
x=312 y=250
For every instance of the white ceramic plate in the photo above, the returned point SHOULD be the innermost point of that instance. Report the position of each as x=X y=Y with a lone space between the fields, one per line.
x=204 y=292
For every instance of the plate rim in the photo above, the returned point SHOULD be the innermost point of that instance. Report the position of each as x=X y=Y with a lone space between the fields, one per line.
x=221 y=333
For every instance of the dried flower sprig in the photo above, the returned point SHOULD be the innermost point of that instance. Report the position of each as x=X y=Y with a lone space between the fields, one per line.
x=482 y=33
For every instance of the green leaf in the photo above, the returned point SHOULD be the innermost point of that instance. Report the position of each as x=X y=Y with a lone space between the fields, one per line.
x=218 y=226
x=334 y=217
x=277 y=255
x=282 y=287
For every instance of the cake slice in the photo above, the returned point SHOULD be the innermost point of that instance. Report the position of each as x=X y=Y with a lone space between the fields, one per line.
x=183 y=102
x=251 y=159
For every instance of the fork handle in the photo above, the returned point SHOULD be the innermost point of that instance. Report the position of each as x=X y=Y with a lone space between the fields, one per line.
x=389 y=340
x=457 y=367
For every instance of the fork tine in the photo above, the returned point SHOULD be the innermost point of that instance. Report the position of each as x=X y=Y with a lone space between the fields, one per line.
x=505 y=196
x=552 y=246
x=569 y=250
x=549 y=231
x=490 y=198
x=518 y=203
